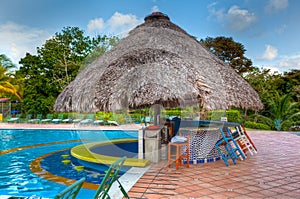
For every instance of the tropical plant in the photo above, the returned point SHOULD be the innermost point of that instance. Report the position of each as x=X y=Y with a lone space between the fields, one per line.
x=282 y=111
x=7 y=86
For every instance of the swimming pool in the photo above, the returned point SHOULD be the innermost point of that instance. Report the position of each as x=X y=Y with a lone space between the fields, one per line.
x=28 y=155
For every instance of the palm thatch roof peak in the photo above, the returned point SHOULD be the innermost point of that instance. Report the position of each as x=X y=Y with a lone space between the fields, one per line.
x=157 y=63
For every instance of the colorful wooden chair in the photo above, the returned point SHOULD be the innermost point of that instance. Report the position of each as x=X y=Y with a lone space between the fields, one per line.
x=243 y=141
x=182 y=150
x=228 y=148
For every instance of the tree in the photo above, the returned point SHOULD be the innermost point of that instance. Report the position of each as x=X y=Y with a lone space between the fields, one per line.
x=282 y=112
x=291 y=84
x=56 y=64
x=7 y=86
x=230 y=52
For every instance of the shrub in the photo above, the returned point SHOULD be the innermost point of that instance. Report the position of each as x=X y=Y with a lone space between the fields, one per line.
x=173 y=112
x=101 y=115
x=216 y=115
x=136 y=117
x=119 y=118
x=254 y=125
x=232 y=115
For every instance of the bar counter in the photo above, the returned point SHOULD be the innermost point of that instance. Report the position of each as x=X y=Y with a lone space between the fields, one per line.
x=203 y=137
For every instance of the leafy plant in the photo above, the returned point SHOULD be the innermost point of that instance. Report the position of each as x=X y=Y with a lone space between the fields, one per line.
x=254 y=125
x=281 y=113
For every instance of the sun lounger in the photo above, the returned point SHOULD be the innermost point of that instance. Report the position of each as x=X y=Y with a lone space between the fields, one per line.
x=89 y=119
x=36 y=120
x=59 y=118
x=112 y=123
x=69 y=119
x=28 y=117
x=98 y=122
x=14 y=119
x=48 y=119
x=78 y=119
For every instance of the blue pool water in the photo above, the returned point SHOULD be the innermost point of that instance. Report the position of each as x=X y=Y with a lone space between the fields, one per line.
x=19 y=148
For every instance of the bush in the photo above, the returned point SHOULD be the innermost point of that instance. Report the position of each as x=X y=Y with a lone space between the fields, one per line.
x=232 y=115
x=216 y=115
x=173 y=112
x=101 y=115
x=254 y=125
x=136 y=117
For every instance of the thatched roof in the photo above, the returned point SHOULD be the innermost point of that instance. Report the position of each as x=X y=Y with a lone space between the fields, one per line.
x=157 y=63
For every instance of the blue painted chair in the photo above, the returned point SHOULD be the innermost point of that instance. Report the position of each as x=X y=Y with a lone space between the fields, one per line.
x=228 y=148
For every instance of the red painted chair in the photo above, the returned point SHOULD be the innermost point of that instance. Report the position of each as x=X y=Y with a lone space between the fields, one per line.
x=182 y=150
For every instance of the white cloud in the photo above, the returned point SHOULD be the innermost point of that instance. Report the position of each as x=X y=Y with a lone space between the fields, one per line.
x=122 y=21
x=219 y=14
x=95 y=24
x=18 y=39
x=119 y=24
x=270 y=53
x=273 y=69
x=281 y=29
x=290 y=62
x=235 y=19
x=155 y=9
x=276 y=5
x=239 y=19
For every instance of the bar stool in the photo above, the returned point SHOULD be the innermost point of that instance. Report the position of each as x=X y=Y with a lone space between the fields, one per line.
x=182 y=150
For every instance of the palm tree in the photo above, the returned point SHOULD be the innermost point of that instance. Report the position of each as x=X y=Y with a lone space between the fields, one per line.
x=6 y=79
x=282 y=111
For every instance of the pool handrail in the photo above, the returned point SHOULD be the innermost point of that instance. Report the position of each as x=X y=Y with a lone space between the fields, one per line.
x=112 y=175
x=71 y=191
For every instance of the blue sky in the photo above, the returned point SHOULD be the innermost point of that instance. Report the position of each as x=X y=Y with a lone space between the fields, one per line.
x=268 y=29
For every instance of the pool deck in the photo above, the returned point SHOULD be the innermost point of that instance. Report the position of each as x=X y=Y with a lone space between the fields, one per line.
x=274 y=172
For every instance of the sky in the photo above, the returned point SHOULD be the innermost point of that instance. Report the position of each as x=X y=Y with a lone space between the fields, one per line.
x=268 y=29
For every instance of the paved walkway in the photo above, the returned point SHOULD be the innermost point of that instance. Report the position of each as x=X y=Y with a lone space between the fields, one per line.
x=272 y=173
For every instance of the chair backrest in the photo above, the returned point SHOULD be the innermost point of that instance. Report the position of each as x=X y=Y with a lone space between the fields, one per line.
x=49 y=116
x=60 y=116
x=39 y=116
x=90 y=116
x=226 y=133
x=28 y=116
x=176 y=121
x=239 y=130
x=71 y=191
x=110 y=177
x=80 y=116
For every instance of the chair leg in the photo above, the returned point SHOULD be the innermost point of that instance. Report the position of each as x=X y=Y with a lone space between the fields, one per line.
x=178 y=158
x=169 y=156
x=222 y=154
x=231 y=153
